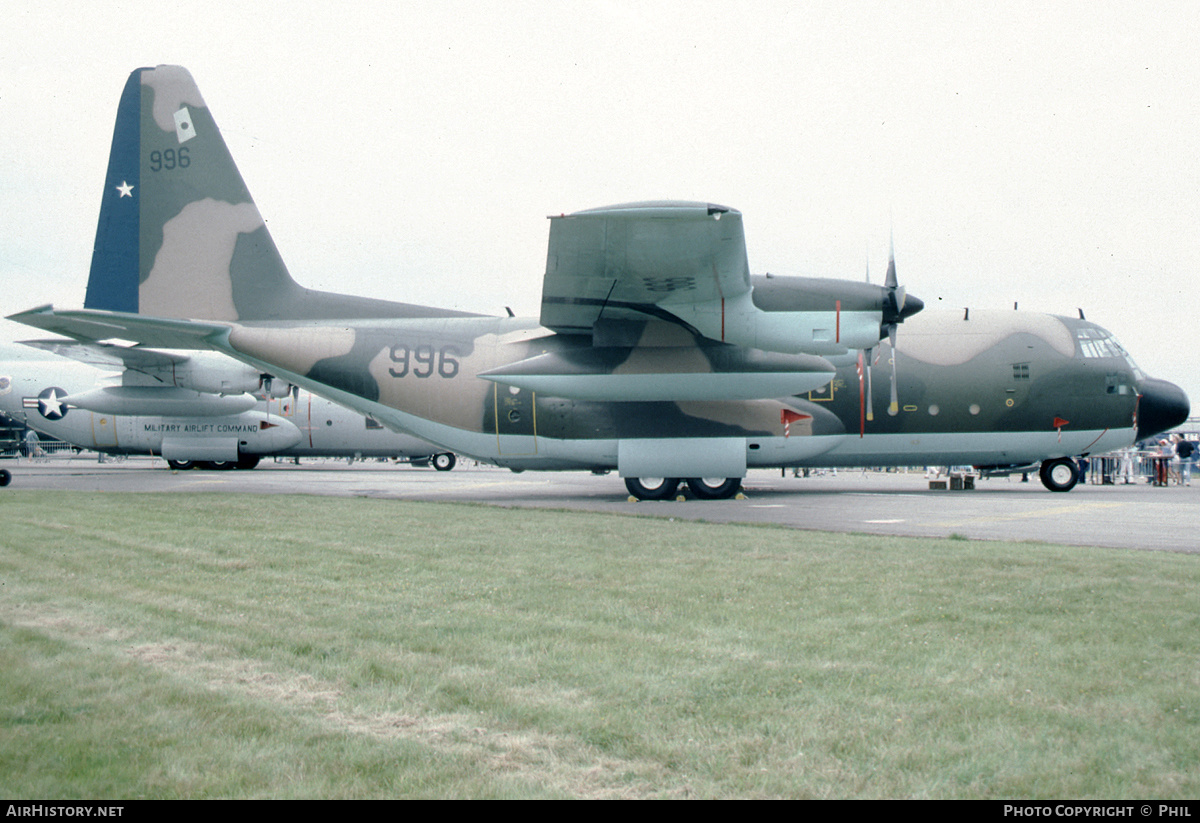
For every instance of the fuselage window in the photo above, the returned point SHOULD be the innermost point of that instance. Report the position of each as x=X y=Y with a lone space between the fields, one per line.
x=1115 y=384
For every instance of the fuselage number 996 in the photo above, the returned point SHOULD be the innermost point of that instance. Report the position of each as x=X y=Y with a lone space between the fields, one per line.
x=422 y=360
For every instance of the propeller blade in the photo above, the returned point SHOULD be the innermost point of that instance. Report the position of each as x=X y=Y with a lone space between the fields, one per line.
x=890 y=280
x=894 y=406
x=867 y=365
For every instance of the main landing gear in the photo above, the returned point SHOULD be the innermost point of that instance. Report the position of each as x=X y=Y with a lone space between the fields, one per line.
x=248 y=461
x=664 y=488
x=714 y=488
x=1059 y=475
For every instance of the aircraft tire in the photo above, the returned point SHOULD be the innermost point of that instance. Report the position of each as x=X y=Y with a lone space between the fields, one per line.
x=714 y=488
x=181 y=465
x=1059 y=475
x=217 y=465
x=443 y=462
x=247 y=461
x=652 y=488
x=5 y=477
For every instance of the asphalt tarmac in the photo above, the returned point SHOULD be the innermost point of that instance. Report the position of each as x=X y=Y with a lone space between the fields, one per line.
x=1120 y=516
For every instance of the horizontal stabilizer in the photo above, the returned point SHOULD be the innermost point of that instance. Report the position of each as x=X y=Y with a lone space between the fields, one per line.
x=89 y=326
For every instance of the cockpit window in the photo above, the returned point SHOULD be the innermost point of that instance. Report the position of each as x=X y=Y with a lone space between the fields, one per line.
x=1097 y=342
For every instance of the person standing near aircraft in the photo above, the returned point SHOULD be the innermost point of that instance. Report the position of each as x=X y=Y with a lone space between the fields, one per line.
x=31 y=446
x=1162 y=462
x=1185 y=450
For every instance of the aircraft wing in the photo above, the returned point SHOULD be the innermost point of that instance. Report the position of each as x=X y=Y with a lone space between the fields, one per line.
x=107 y=355
x=641 y=260
x=89 y=325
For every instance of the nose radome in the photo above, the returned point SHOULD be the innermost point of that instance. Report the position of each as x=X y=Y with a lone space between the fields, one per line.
x=1163 y=406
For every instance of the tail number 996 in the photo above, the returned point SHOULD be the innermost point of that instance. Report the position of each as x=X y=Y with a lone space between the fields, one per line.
x=170 y=159
x=423 y=360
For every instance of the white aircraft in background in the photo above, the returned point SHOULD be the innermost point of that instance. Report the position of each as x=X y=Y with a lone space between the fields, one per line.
x=196 y=409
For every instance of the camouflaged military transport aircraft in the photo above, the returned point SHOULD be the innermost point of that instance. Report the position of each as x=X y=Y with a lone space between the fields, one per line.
x=196 y=409
x=656 y=354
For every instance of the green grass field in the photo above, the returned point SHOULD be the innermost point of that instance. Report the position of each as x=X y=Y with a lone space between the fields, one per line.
x=249 y=646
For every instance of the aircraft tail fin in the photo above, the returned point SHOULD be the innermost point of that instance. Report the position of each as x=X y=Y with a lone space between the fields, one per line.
x=179 y=234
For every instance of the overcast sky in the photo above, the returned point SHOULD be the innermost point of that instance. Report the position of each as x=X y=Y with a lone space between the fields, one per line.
x=1046 y=153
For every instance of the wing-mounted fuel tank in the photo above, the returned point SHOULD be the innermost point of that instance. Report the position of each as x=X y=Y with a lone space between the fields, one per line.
x=164 y=400
x=652 y=373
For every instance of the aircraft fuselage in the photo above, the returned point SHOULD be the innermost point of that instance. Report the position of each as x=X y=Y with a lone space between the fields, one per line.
x=998 y=388
x=293 y=426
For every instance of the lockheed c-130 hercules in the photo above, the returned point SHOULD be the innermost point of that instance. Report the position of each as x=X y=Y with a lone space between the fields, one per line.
x=196 y=409
x=656 y=354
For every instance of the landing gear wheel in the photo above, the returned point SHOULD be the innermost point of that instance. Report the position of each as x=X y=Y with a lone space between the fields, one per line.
x=443 y=462
x=714 y=488
x=248 y=461
x=1059 y=475
x=181 y=465
x=5 y=477
x=217 y=465
x=652 y=488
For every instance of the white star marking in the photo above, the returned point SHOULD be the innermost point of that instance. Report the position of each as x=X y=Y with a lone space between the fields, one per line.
x=50 y=406
x=125 y=189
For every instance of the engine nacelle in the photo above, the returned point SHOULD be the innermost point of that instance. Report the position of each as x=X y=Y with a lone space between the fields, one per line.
x=792 y=315
x=208 y=373
x=213 y=376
